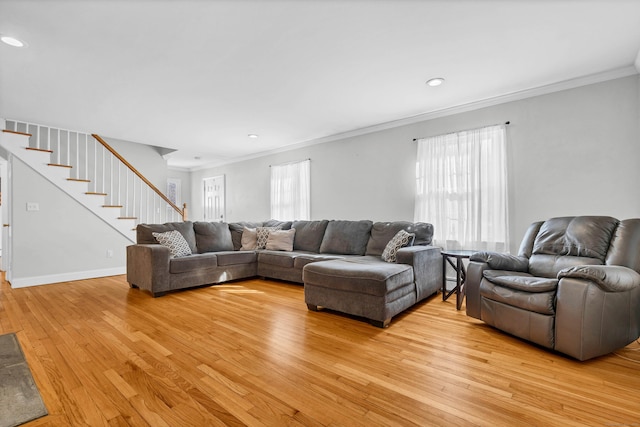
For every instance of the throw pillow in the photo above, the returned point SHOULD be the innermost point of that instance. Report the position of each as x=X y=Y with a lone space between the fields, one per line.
x=281 y=240
x=144 y=232
x=237 y=228
x=400 y=240
x=175 y=242
x=262 y=234
x=249 y=239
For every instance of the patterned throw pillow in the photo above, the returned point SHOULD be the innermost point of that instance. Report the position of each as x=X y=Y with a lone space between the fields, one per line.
x=400 y=240
x=263 y=236
x=175 y=242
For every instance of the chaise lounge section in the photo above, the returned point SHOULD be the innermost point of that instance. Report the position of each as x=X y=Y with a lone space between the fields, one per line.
x=368 y=287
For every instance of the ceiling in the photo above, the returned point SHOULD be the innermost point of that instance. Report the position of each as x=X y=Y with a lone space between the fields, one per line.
x=199 y=76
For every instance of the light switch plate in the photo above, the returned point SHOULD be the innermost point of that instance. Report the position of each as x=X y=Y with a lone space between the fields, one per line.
x=33 y=206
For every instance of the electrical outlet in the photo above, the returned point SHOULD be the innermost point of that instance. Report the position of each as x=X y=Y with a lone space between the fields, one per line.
x=109 y=253
x=33 y=206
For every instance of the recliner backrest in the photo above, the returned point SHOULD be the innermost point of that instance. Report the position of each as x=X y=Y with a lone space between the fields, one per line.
x=526 y=246
x=570 y=241
x=625 y=245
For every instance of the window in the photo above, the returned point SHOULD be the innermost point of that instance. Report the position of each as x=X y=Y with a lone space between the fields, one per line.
x=462 y=189
x=291 y=191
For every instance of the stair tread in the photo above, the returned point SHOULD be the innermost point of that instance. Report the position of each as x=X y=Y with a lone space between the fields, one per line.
x=59 y=165
x=91 y=193
x=112 y=206
x=78 y=180
x=127 y=217
x=39 y=149
x=16 y=132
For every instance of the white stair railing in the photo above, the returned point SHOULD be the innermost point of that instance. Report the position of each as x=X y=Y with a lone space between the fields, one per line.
x=90 y=159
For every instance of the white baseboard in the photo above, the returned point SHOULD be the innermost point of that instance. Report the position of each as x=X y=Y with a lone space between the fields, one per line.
x=23 y=282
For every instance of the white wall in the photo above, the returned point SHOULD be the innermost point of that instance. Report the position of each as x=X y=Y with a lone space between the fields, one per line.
x=60 y=241
x=145 y=158
x=573 y=152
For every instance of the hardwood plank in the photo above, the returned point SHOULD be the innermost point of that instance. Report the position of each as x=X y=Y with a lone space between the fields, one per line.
x=250 y=353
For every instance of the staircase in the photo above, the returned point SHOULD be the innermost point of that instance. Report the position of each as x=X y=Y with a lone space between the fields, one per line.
x=90 y=171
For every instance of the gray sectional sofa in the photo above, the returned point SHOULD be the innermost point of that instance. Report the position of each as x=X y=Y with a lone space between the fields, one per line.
x=339 y=262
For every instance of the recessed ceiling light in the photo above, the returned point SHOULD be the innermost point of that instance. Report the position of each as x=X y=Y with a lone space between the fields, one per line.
x=435 y=81
x=12 y=41
x=253 y=136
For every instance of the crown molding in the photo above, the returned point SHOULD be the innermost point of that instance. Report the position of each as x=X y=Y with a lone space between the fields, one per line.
x=178 y=168
x=462 y=108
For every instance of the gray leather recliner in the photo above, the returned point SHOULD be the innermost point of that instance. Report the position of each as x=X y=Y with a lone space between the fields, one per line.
x=574 y=286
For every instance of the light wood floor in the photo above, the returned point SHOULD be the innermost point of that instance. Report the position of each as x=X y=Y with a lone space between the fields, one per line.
x=249 y=353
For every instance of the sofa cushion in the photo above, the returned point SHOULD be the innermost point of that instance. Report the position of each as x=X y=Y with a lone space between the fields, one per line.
x=278 y=258
x=144 y=236
x=383 y=232
x=521 y=281
x=551 y=265
x=280 y=225
x=235 y=257
x=359 y=275
x=309 y=235
x=423 y=232
x=539 y=302
x=346 y=237
x=237 y=228
x=307 y=258
x=400 y=240
x=212 y=236
x=192 y=263
x=173 y=240
x=281 y=240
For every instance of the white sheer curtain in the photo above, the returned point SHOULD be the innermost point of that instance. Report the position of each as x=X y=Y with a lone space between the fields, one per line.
x=291 y=191
x=462 y=189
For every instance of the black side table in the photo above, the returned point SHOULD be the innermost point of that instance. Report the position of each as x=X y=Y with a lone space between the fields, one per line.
x=448 y=256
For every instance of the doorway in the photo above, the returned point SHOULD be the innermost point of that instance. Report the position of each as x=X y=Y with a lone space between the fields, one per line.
x=5 y=218
x=214 y=199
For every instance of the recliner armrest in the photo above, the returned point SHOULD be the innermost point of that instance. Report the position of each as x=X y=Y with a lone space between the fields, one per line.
x=499 y=261
x=610 y=278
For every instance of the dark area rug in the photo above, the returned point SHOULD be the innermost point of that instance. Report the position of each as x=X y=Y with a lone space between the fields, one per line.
x=20 y=399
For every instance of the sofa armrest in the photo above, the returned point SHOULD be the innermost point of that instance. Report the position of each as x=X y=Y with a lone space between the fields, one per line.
x=610 y=278
x=427 y=268
x=499 y=261
x=148 y=267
